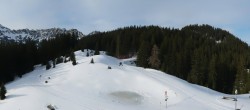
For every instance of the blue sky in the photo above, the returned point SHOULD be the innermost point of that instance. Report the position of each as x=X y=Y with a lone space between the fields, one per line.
x=104 y=15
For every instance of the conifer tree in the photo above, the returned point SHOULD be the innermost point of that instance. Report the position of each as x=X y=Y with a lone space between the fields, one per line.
x=48 y=65
x=118 y=47
x=241 y=76
x=73 y=58
x=3 y=91
x=92 y=61
x=97 y=52
x=87 y=54
x=195 y=71
x=54 y=63
x=248 y=84
x=154 y=61
x=212 y=75
x=143 y=54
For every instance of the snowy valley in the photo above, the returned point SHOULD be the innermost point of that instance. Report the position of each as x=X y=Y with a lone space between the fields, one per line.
x=87 y=86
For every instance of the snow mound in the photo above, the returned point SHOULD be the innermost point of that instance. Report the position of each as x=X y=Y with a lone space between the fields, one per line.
x=104 y=59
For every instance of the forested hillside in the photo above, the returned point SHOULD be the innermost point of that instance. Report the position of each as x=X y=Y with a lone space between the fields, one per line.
x=200 y=54
x=18 y=58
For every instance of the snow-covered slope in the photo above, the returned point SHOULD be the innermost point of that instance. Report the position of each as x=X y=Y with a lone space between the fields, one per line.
x=95 y=87
x=37 y=35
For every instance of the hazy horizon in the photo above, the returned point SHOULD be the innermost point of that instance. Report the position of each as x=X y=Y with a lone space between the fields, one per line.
x=98 y=15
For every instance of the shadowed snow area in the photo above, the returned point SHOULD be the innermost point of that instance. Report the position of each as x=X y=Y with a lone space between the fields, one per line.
x=88 y=86
x=127 y=97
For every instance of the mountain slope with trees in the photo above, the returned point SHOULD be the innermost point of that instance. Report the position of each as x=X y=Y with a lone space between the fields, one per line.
x=200 y=54
x=18 y=58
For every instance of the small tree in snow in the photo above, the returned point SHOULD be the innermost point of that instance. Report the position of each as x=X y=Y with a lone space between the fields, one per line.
x=73 y=58
x=97 y=52
x=50 y=107
x=92 y=61
x=59 y=60
x=3 y=91
x=109 y=67
x=54 y=63
x=87 y=54
x=48 y=65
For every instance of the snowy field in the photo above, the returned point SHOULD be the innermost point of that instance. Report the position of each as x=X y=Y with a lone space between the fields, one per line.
x=95 y=87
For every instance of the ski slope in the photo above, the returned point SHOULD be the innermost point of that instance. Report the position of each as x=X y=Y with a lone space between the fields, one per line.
x=95 y=87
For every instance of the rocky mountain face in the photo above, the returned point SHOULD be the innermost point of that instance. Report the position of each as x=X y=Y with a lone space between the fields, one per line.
x=37 y=35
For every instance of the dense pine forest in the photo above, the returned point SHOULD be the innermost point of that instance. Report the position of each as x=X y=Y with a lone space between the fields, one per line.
x=200 y=54
x=18 y=58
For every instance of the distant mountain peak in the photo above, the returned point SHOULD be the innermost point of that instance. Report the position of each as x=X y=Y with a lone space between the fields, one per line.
x=37 y=35
x=2 y=28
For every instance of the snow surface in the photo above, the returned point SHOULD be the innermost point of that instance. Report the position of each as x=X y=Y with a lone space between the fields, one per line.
x=218 y=41
x=95 y=87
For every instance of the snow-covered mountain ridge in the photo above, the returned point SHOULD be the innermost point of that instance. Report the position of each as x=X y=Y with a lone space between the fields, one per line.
x=37 y=35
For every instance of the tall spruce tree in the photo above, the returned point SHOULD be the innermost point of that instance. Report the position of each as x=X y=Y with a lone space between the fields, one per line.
x=154 y=61
x=241 y=76
x=118 y=43
x=212 y=74
x=143 y=55
x=195 y=73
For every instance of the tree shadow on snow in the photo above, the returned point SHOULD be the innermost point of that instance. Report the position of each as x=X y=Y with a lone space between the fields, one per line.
x=14 y=96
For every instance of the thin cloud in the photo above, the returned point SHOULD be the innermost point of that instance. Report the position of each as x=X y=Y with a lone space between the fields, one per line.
x=103 y=15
